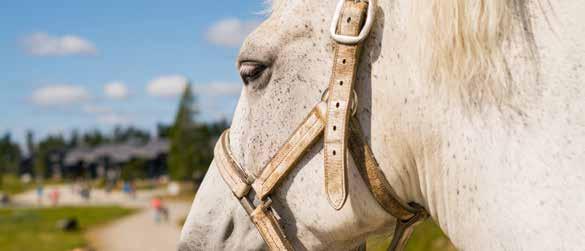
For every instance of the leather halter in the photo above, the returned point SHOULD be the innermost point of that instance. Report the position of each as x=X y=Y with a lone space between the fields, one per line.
x=333 y=118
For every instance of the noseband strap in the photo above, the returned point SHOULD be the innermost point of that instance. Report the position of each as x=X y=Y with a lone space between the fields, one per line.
x=258 y=207
x=332 y=117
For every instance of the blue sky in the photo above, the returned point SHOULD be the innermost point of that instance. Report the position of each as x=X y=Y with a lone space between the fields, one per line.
x=57 y=57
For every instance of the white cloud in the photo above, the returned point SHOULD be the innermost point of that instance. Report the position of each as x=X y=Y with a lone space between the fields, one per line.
x=59 y=95
x=112 y=119
x=116 y=90
x=230 y=32
x=43 y=44
x=167 y=86
x=219 y=89
x=105 y=115
x=96 y=109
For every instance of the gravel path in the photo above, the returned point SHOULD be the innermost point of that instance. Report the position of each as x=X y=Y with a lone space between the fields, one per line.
x=67 y=197
x=140 y=232
x=137 y=232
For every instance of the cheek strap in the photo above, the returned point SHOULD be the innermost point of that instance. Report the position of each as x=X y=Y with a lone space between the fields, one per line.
x=333 y=117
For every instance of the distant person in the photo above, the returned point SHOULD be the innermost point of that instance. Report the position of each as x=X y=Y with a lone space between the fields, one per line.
x=40 y=194
x=132 y=189
x=54 y=197
x=160 y=211
x=111 y=180
x=126 y=188
x=85 y=192
x=109 y=187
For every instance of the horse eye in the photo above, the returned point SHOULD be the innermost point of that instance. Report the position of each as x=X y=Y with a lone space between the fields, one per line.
x=251 y=70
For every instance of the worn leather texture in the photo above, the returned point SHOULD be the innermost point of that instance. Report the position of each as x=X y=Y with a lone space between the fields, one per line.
x=341 y=87
x=369 y=169
x=231 y=172
x=291 y=152
x=270 y=229
x=341 y=132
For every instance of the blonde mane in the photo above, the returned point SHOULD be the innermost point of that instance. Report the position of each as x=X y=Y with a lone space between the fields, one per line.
x=463 y=43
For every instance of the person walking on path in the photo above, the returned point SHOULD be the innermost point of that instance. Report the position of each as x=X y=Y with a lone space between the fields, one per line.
x=129 y=189
x=40 y=194
x=160 y=211
x=54 y=196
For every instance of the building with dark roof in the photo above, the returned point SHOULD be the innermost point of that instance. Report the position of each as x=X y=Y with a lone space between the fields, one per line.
x=109 y=159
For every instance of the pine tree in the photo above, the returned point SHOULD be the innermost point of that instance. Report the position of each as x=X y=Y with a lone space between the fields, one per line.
x=10 y=156
x=184 y=157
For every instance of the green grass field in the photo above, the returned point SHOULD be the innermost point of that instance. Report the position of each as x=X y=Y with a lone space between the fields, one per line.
x=36 y=230
x=12 y=185
x=426 y=237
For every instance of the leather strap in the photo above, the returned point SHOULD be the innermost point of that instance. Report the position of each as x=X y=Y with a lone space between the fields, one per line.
x=269 y=228
x=262 y=215
x=335 y=119
x=291 y=152
x=407 y=216
x=404 y=229
x=233 y=174
x=280 y=165
x=370 y=171
x=338 y=108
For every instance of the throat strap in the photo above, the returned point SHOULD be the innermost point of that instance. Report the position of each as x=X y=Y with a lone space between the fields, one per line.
x=254 y=195
x=407 y=216
x=370 y=171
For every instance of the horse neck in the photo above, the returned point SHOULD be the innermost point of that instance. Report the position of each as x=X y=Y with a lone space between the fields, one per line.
x=468 y=167
x=416 y=134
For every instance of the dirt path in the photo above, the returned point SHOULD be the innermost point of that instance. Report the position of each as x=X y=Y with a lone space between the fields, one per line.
x=68 y=197
x=140 y=232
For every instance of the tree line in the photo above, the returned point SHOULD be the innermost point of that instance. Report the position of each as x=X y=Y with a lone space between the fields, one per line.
x=191 y=143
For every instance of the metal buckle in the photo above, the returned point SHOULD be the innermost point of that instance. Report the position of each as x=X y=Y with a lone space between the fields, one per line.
x=350 y=40
x=404 y=228
x=250 y=202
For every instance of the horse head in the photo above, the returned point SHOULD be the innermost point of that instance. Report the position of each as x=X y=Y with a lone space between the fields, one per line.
x=450 y=95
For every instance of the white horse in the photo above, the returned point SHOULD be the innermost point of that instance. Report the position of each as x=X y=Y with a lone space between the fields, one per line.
x=475 y=109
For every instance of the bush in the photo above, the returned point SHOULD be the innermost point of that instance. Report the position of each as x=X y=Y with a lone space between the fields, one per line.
x=134 y=169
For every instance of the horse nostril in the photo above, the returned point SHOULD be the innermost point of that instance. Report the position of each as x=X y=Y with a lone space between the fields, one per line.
x=229 y=229
x=250 y=71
